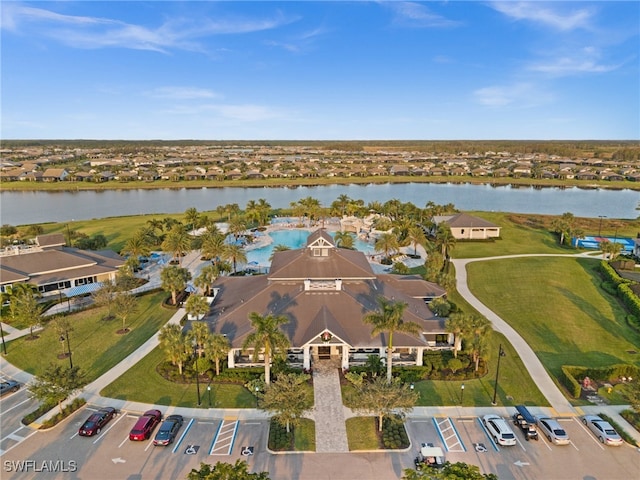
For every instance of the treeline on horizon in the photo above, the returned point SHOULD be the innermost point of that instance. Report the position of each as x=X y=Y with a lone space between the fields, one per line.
x=628 y=150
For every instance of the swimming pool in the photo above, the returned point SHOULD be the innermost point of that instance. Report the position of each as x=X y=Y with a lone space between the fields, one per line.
x=295 y=238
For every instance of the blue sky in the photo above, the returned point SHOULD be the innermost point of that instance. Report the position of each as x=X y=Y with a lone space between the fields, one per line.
x=320 y=70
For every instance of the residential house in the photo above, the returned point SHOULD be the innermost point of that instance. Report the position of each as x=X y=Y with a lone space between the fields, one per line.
x=468 y=227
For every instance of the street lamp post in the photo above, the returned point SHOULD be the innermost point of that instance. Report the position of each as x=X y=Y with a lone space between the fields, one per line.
x=461 y=393
x=257 y=390
x=209 y=392
x=62 y=338
x=195 y=363
x=495 y=386
x=4 y=345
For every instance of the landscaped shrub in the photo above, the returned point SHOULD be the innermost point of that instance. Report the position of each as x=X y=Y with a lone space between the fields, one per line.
x=412 y=374
x=394 y=435
x=240 y=375
x=279 y=439
x=66 y=411
x=570 y=383
x=573 y=375
x=630 y=299
x=38 y=412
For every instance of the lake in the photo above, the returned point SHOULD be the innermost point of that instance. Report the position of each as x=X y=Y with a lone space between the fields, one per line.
x=21 y=208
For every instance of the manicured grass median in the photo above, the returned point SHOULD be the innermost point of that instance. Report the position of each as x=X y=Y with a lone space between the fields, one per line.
x=95 y=345
x=361 y=433
x=557 y=306
x=142 y=383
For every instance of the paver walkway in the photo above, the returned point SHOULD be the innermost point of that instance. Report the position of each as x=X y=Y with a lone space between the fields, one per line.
x=331 y=432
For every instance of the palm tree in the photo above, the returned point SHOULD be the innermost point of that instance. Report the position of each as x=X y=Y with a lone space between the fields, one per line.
x=174 y=280
x=386 y=242
x=343 y=239
x=264 y=210
x=208 y=275
x=200 y=333
x=176 y=345
x=196 y=306
x=235 y=253
x=237 y=227
x=268 y=338
x=457 y=323
x=563 y=225
x=24 y=306
x=217 y=347
x=138 y=245
x=177 y=241
x=339 y=205
x=416 y=236
x=610 y=249
x=445 y=240
x=192 y=217
x=252 y=212
x=278 y=248
x=389 y=319
x=212 y=245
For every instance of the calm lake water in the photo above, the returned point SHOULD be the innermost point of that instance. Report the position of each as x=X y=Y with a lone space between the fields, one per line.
x=21 y=208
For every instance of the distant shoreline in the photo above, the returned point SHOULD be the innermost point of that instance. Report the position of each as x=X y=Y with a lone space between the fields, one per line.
x=311 y=182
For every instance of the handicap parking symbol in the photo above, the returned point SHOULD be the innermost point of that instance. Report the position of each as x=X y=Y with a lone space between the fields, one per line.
x=191 y=449
x=479 y=447
x=246 y=451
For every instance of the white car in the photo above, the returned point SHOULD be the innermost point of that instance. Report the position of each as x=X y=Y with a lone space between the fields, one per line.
x=499 y=429
x=602 y=430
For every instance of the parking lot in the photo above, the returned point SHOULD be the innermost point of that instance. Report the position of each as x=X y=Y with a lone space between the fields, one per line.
x=13 y=407
x=62 y=453
x=110 y=454
x=466 y=439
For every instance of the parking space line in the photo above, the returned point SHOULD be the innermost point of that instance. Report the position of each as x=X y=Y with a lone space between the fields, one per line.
x=150 y=443
x=589 y=433
x=15 y=406
x=184 y=434
x=110 y=427
x=22 y=439
x=74 y=436
x=446 y=425
x=226 y=436
x=486 y=432
x=125 y=439
x=213 y=440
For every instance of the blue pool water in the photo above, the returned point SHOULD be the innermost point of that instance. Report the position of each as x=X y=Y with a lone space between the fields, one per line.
x=294 y=239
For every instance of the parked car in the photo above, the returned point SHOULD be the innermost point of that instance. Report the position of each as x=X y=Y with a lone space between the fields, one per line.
x=602 y=430
x=499 y=429
x=551 y=429
x=8 y=386
x=93 y=425
x=429 y=456
x=145 y=425
x=168 y=430
x=526 y=422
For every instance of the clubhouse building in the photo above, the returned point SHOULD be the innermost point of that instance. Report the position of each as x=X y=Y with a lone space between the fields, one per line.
x=325 y=292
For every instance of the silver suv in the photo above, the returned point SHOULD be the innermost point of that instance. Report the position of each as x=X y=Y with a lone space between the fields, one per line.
x=550 y=428
x=499 y=429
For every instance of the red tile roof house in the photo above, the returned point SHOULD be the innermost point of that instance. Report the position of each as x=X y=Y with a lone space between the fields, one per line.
x=467 y=227
x=325 y=292
x=55 y=269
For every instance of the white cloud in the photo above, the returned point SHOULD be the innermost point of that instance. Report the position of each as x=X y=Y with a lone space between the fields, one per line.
x=181 y=93
x=411 y=14
x=234 y=112
x=524 y=95
x=546 y=13
x=94 y=32
x=576 y=62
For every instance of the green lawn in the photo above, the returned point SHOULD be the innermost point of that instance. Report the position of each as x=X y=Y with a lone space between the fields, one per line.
x=304 y=436
x=557 y=306
x=95 y=345
x=142 y=383
x=361 y=433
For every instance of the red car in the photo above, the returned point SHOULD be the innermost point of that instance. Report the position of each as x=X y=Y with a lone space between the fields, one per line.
x=145 y=425
x=96 y=421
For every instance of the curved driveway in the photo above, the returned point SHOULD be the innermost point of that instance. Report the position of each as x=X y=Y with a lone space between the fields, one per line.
x=531 y=361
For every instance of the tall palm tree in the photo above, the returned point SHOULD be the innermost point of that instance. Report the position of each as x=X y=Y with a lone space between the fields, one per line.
x=200 y=333
x=252 y=212
x=192 y=217
x=175 y=344
x=416 y=236
x=344 y=239
x=235 y=253
x=217 y=347
x=268 y=338
x=387 y=243
x=178 y=242
x=138 y=245
x=196 y=306
x=264 y=210
x=458 y=324
x=279 y=248
x=174 y=280
x=445 y=240
x=389 y=319
x=212 y=245
x=208 y=275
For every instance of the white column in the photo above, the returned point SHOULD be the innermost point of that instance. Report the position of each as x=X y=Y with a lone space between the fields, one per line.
x=419 y=356
x=231 y=358
x=345 y=357
x=306 y=357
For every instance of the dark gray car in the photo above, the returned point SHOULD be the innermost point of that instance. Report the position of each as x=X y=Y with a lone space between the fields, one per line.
x=168 y=430
x=8 y=386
